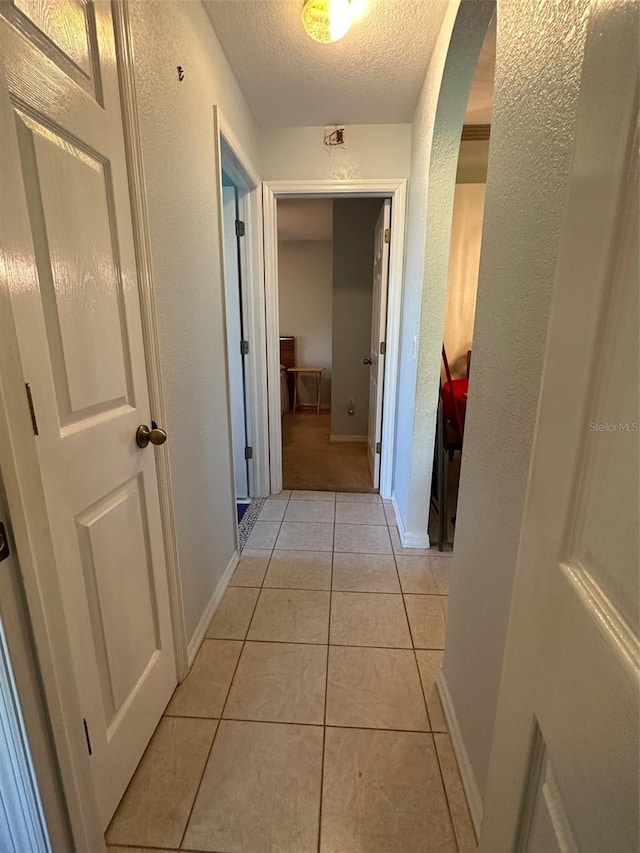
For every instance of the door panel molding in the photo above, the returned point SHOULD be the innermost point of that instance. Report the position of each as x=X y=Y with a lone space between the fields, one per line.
x=396 y=190
x=25 y=499
x=19 y=459
x=79 y=61
x=572 y=655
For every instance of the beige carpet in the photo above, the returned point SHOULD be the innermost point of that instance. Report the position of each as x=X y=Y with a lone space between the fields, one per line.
x=310 y=461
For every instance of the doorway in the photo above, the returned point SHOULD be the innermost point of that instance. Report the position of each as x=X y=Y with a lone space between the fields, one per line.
x=237 y=343
x=462 y=287
x=329 y=355
x=387 y=195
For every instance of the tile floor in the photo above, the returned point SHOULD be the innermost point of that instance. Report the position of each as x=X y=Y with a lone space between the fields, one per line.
x=310 y=720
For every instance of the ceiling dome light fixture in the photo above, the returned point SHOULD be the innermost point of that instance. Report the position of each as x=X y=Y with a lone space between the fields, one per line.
x=327 y=21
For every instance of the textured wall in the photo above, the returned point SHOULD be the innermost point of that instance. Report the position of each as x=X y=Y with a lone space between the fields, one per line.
x=304 y=295
x=421 y=139
x=371 y=151
x=354 y=221
x=435 y=146
x=537 y=81
x=176 y=121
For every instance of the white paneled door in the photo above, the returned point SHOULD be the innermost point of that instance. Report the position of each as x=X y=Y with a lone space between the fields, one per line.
x=378 y=332
x=565 y=764
x=71 y=269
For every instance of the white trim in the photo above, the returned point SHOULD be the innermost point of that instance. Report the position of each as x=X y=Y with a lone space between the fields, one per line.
x=24 y=826
x=340 y=438
x=247 y=179
x=396 y=190
x=272 y=319
x=467 y=775
x=205 y=620
x=140 y=220
x=409 y=540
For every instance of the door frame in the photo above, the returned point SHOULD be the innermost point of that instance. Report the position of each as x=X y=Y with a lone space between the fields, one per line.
x=239 y=167
x=25 y=495
x=396 y=190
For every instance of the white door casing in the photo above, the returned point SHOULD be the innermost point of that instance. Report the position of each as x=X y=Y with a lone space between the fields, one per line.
x=565 y=763
x=30 y=795
x=233 y=308
x=378 y=337
x=74 y=292
x=396 y=190
x=231 y=157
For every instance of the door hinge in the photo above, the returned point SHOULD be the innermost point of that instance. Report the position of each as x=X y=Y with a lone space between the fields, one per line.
x=387 y=235
x=32 y=411
x=244 y=347
x=239 y=228
x=248 y=453
x=378 y=447
x=86 y=734
x=383 y=347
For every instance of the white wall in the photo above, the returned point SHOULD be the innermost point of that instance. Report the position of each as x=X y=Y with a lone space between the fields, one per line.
x=354 y=221
x=473 y=160
x=537 y=83
x=431 y=187
x=176 y=121
x=371 y=151
x=305 y=284
x=462 y=285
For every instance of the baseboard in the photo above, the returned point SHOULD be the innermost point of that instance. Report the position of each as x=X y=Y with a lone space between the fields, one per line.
x=464 y=764
x=312 y=407
x=338 y=438
x=199 y=634
x=409 y=540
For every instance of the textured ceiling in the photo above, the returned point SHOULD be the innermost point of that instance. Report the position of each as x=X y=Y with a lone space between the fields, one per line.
x=480 y=104
x=372 y=76
x=305 y=219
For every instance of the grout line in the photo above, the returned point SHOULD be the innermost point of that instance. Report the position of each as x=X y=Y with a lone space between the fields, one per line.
x=311 y=726
x=337 y=645
x=244 y=640
x=326 y=693
x=446 y=793
x=415 y=657
x=206 y=763
x=426 y=708
x=140 y=847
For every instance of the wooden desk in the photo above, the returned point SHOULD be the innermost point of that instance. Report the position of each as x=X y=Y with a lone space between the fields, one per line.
x=317 y=372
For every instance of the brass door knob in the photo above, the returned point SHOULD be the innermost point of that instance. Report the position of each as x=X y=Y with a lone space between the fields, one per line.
x=144 y=435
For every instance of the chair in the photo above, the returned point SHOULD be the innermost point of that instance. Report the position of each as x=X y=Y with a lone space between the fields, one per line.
x=452 y=405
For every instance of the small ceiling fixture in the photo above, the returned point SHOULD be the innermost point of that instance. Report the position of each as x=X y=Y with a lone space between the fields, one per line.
x=327 y=21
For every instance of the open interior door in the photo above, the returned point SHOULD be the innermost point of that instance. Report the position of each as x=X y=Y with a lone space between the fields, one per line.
x=565 y=760
x=235 y=339
x=68 y=260
x=378 y=333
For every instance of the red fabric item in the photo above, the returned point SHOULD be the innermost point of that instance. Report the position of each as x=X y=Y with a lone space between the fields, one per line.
x=458 y=388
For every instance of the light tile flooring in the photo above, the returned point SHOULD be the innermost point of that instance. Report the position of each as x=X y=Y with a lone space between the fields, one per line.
x=310 y=720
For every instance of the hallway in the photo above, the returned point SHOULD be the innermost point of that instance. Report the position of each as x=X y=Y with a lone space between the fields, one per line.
x=310 y=719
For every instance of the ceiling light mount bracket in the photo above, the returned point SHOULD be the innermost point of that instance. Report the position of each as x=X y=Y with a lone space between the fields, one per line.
x=334 y=136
